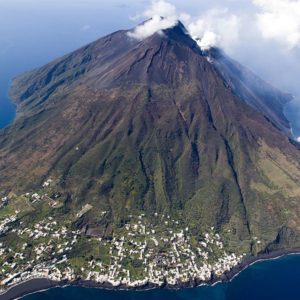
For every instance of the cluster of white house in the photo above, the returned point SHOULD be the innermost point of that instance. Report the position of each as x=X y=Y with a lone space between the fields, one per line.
x=137 y=256
x=180 y=264
x=58 y=244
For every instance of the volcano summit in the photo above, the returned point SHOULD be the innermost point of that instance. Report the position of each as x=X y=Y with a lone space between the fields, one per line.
x=150 y=162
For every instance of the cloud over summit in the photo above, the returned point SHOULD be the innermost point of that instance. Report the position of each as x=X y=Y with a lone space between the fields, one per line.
x=162 y=16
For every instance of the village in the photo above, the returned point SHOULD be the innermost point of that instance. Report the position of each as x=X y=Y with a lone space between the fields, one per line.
x=138 y=253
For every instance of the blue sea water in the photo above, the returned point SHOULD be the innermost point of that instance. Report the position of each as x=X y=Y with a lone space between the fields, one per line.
x=275 y=279
x=32 y=35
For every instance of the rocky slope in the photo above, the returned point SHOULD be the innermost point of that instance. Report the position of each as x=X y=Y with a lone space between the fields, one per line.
x=252 y=89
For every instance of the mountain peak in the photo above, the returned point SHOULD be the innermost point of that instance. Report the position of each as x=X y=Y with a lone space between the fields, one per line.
x=179 y=28
x=180 y=34
x=158 y=25
x=168 y=56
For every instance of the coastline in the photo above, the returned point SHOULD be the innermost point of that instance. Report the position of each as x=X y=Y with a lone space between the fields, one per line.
x=40 y=284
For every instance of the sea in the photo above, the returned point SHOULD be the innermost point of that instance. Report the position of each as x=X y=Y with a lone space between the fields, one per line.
x=30 y=38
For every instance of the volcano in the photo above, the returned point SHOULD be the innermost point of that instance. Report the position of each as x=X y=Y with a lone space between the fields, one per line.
x=156 y=126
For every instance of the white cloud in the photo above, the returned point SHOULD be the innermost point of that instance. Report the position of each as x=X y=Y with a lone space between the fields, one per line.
x=280 y=20
x=162 y=9
x=163 y=16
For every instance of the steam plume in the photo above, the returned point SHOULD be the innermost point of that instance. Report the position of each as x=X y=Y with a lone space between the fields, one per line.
x=215 y=27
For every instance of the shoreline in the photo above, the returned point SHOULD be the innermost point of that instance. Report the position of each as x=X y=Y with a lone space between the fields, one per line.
x=36 y=285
